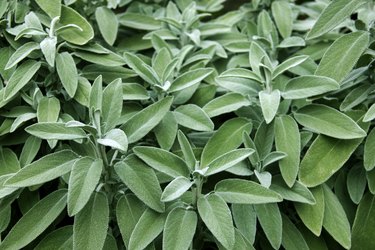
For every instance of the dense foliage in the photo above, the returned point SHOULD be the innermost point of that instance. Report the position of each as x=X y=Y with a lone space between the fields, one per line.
x=181 y=124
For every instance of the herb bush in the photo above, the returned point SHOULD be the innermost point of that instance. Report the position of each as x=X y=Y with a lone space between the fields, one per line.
x=185 y=124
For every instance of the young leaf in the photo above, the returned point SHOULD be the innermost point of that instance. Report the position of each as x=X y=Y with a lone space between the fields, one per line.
x=187 y=150
x=287 y=140
x=176 y=189
x=345 y=52
x=216 y=215
x=282 y=12
x=20 y=77
x=55 y=131
x=48 y=47
x=35 y=221
x=96 y=94
x=43 y=170
x=73 y=35
x=225 y=104
x=229 y=136
x=308 y=86
x=333 y=15
x=192 y=116
x=328 y=121
x=115 y=139
x=189 y=79
x=370 y=114
x=149 y=226
x=286 y=65
x=128 y=211
x=67 y=71
x=179 y=229
x=162 y=161
x=108 y=24
x=312 y=214
x=83 y=179
x=144 y=121
x=269 y=102
x=141 y=68
x=142 y=181
x=363 y=224
x=111 y=105
x=269 y=217
x=91 y=223
x=21 y=53
x=227 y=160
x=245 y=192
x=335 y=220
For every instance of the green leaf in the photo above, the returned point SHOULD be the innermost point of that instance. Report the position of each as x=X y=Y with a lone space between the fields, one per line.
x=312 y=214
x=21 y=53
x=139 y=21
x=264 y=138
x=20 y=77
x=356 y=183
x=112 y=105
x=108 y=24
x=48 y=47
x=61 y=238
x=187 y=150
x=91 y=224
x=308 y=86
x=192 y=116
x=166 y=131
x=227 y=160
x=48 y=109
x=179 y=229
x=35 y=221
x=297 y=193
x=245 y=192
x=335 y=221
x=67 y=71
x=144 y=121
x=29 y=150
x=189 y=79
x=225 y=104
x=141 y=68
x=115 y=139
x=244 y=217
x=328 y=121
x=332 y=16
x=73 y=35
x=128 y=211
x=369 y=150
x=96 y=94
x=162 y=160
x=149 y=226
x=345 y=52
x=287 y=140
x=269 y=102
x=8 y=161
x=269 y=218
x=55 y=131
x=216 y=215
x=51 y=7
x=106 y=62
x=286 y=65
x=229 y=136
x=283 y=15
x=43 y=170
x=83 y=179
x=325 y=157
x=239 y=72
x=370 y=114
x=292 y=238
x=176 y=188
x=134 y=91
x=364 y=222
x=142 y=181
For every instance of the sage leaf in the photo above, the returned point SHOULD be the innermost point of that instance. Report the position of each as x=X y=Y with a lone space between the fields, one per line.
x=115 y=138
x=91 y=223
x=244 y=217
x=111 y=105
x=216 y=215
x=269 y=102
x=139 y=21
x=176 y=188
x=48 y=47
x=35 y=221
x=52 y=8
x=43 y=170
x=83 y=179
x=363 y=222
x=192 y=116
x=269 y=217
x=292 y=238
x=369 y=149
x=66 y=68
x=225 y=104
x=21 y=53
x=55 y=131
x=282 y=12
x=189 y=79
x=345 y=52
x=328 y=121
x=108 y=24
x=288 y=64
x=59 y=239
x=179 y=229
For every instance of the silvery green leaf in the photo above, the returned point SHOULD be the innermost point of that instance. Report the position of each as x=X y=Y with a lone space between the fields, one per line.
x=48 y=47
x=21 y=53
x=269 y=102
x=116 y=139
x=176 y=188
